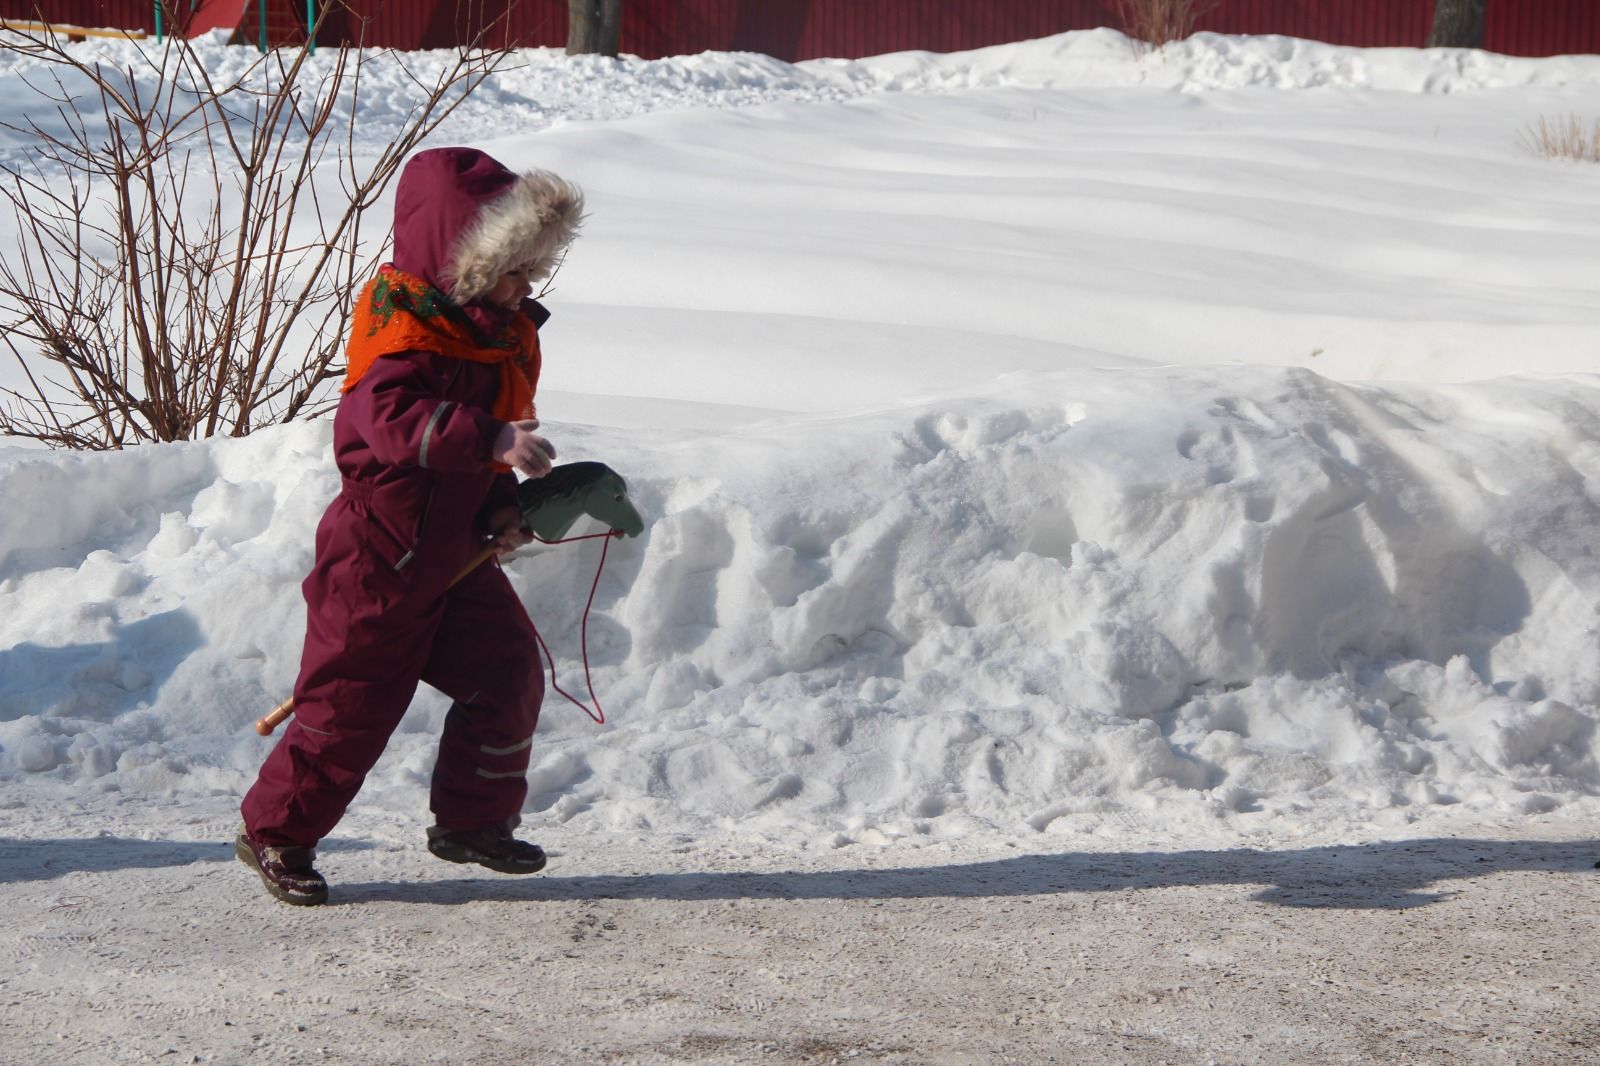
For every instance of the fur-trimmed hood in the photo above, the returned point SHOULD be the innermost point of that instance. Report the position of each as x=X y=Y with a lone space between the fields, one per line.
x=531 y=223
x=462 y=220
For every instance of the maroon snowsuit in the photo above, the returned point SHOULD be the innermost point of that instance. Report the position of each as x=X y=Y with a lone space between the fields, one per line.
x=412 y=442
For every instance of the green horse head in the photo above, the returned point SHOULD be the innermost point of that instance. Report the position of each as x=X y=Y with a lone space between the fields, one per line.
x=551 y=504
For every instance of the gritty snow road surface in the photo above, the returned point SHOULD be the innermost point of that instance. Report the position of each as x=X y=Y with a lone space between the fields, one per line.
x=159 y=947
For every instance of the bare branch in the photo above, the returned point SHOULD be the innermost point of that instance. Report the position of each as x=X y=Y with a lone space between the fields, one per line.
x=183 y=269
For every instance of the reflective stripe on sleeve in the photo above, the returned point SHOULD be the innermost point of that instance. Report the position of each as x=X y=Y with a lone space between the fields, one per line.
x=427 y=434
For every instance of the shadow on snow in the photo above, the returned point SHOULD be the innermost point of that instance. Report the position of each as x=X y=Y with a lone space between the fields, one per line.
x=1386 y=876
x=90 y=680
x=1390 y=875
x=43 y=860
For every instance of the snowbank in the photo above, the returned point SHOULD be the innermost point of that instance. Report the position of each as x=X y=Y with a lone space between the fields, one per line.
x=541 y=87
x=1175 y=595
x=969 y=513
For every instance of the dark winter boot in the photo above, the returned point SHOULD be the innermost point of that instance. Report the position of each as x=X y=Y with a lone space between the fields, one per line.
x=287 y=872
x=492 y=846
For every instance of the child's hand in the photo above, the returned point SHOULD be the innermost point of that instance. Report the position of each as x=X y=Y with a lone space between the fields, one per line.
x=506 y=527
x=519 y=447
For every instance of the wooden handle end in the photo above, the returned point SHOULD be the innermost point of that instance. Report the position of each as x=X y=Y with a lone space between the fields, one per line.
x=274 y=718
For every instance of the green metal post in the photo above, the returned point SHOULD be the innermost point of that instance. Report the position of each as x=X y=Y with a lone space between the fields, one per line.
x=311 y=26
x=158 y=21
x=261 y=20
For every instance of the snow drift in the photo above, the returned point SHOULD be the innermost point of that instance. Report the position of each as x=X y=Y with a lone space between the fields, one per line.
x=967 y=513
x=1180 y=594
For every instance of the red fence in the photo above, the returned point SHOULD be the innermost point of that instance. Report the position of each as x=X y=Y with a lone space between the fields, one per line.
x=807 y=29
x=1534 y=28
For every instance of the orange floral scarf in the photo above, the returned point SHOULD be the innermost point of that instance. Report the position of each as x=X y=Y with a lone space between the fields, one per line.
x=398 y=312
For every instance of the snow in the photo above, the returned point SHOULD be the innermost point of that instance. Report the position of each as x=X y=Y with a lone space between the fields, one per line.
x=1056 y=459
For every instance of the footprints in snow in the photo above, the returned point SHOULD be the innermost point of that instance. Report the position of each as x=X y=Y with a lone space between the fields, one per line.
x=1226 y=450
x=966 y=434
x=1229 y=452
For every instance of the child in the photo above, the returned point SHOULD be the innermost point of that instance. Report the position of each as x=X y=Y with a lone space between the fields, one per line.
x=436 y=411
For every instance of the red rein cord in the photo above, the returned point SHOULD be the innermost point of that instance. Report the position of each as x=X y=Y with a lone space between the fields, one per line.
x=598 y=715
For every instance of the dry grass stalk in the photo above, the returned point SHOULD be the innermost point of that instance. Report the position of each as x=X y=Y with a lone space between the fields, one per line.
x=1568 y=138
x=1158 y=22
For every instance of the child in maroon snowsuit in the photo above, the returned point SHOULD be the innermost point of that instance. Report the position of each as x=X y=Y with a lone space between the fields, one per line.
x=437 y=411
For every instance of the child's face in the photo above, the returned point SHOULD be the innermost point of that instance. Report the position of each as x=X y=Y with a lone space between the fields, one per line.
x=512 y=288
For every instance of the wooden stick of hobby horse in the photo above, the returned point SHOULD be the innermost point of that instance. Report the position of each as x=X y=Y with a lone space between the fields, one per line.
x=276 y=717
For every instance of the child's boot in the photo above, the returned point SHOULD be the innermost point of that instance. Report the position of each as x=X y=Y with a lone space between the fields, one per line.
x=492 y=846
x=287 y=873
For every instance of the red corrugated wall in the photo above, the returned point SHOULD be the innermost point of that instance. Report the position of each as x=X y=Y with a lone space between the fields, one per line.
x=446 y=23
x=1535 y=28
x=114 y=14
x=137 y=15
x=808 y=29
x=1368 y=24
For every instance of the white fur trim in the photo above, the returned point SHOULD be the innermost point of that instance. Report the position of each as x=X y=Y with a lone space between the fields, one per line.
x=532 y=222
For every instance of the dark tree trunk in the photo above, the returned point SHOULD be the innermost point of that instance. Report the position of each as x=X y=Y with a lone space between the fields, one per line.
x=594 y=26
x=1457 y=24
x=583 y=26
x=610 y=27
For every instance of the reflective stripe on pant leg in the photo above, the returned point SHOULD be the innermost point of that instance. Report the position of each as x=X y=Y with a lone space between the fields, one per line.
x=358 y=672
x=485 y=651
x=477 y=784
x=310 y=777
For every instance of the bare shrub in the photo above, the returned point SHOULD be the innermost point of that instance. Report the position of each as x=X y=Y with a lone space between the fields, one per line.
x=189 y=248
x=1157 y=22
x=1568 y=138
